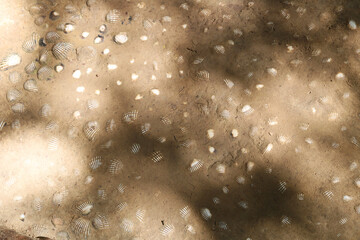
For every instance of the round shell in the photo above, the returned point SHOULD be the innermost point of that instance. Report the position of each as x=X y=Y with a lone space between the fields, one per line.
x=30 y=68
x=86 y=54
x=121 y=38
x=81 y=227
x=10 y=61
x=52 y=37
x=63 y=50
x=31 y=44
x=45 y=110
x=13 y=94
x=91 y=129
x=45 y=73
x=113 y=16
x=31 y=85
x=18 y=108
x=100 y=222
x=14 y=77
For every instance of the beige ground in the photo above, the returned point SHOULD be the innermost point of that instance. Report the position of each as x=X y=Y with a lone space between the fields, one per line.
x=308 y=115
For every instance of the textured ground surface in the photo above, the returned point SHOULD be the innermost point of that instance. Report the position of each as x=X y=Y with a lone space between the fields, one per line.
x=284 y=74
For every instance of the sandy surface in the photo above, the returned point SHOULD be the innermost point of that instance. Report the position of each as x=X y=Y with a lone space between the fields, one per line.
x=267 y=69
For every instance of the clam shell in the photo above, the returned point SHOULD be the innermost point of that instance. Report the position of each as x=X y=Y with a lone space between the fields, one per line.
x=156 y=156
x=45 y=110
x=203 y=75
x=37 y=9
x=121 y=38
x=113 y=16
x=95 y=162
x=135 y=148
x=92 y=104
x=205 y=213
x=31 y=67
x=2 y=123
x=115 y=166
x=14 y=77
x=167 y=229
x=147 y=24
x=110 y=125
x=85 y=208
x=39 y=20
x=81 y=227
x=127 y=225
x=91 y=129
x=10 y=61
x=121 y=206
x=52 y=37
x=63 y=50
x=31 y=85
x=45 y=73
x=37 y=204
x=130 y=117
x=18 y=108
x=220 y=49
x=196 y=165
x=53 y=144
x=185 y=212
x=44 y=56
x=140 y=214
x=31 y=44
x=86 y=54
x=100 y=222
x=121 y=188
x=13 y=94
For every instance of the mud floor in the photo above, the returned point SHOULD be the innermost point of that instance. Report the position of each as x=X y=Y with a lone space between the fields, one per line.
x=185 y=119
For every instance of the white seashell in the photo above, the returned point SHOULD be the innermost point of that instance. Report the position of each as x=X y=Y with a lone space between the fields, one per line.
x=68 y=28
x=268 y=148
x=285 y=220
x=353 y=166
x=196 y=165
x=45 y=110
x=221 y=168
x=98 y=39
x=357 y=209
x=225 y=190
x=184 y=6
x=76 y=74
x=328 y=194
x=100 y=222
x=219 y=49
x=80 y=89
x=198 y=60
x=282 y=187
x=229 y=83
x=31 y=85
x=357 y=182
x=30 y=68
x=95 y=162
x=84 y=35
x=240 y=180
x=134 y=76
x=14 y=125
x=53 y=144
x=127 y=225
x=167 y=229
x=166 y=19
x=121 y=206
x=247 y=110
x=112 y=66
x=92 y=104
x=37 y=204
x=343 y=221
x=347 y=198
x=166 y=120
x=205 y=12
x=113 y=16
x=190 y=229
x=340 y=76
x=272 y=71
x=58 y=197
x=185 y=212
x=45 y=73
x=14 y=77
x=140 y=214
x=52 y=37
x=31 y=44
x=147 y=24
x=234 y=133
x=13 y=94
x=121 y=188
x=85 y=208
x=210 y=133
x=115 y=166
x=18 y=108
x=205 y=213
x=91 y=129
x=81 y=227
x=143 y=38
x=225 y=114
x=155 y=91
x=352 y=25
x=156 y=156
x=135 y=148
x=130 y=117
x=10 y=61
x=121 y=38
x=59 y=67
x=145 y=128
x=106 y=51
x=249 y=166
x=63 y=50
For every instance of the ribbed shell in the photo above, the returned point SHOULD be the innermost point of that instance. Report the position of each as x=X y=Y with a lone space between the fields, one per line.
x=113 y=16
x=45 y=110
x=18 y=108
x=100 y=221
x=37 y=9
x=10 y=61
x=31 y=44
x=45 y=73
x=63 y=50
x=86 y=54
x=121 y=38
x=13 y=94
x=85 y=208
x=52 y=37
x=31 y=85
x=81 y=227
x=44 y=56
x=30 y=68
x=14 y=77
x=91 y=129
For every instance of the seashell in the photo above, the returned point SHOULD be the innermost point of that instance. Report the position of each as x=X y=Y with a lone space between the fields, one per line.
x=31 y=85
x=95 y=162
x=347 y=198
x=285 y=220
x=102 y=194
x=240 y=180
x=44 y=56
x=63 y=50
x=223 y=225
x=249 y=166
x=156 y=156
x=184 y=6
x=30 y=68
x=300 y=196
x=140 y=214
x=84 y=35
x=243 y=204
x=121 y=188
x=85 y=208
x=135 y=148
x=196 y=165
x=225 y=190
x=225 y=114
x=216 y=200
x=185 y=212
x=121 y=38
x=272 y=71
x=18 y=108
x=45 y=110
x=110 y=125
x=58 y=198
x=220 y=168
x=121 y=206
x=166 y=120
x=145 y=128
x=357 y=182
x=115 y=166
x=68 y=28
x=203 y=75
x=37 y=204
x=357 y=209
x=161 y=139
x=53 y=144
x=113 y=16
x=89 y=179
x=52 y=125
x=220 y=49
x=52 y=37
x=10 y=61
x=91 y=129
x=166 y=19
x=282 y=187
x=352 y=25
x=198 y=60
x=190 y=229
x=62 y=235
x=2 y=123
x=100 y=222
x=147 y=24
x=328 y=194
x=127 y=225
x=234 y=133
x=45 y=73
x=54 y=15
x=40 y=20
x=98 y=39
x=205 y=213
x=92 y=104
x=31 y=44
x=103 y=29
x=81 y=227
x=130 y=117
x=59 y=67
x=205 y=12
x=167 y=229
x=343 y=221
x=37 y=8
x=247 y=110
x=268 y=148
x=107 y=145
x=13 y=94
x=14 y=77
x=229 y=83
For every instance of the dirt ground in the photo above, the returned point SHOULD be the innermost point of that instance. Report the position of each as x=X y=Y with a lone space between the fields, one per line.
x=205 y=120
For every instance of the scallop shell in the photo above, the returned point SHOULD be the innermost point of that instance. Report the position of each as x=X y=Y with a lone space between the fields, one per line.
x=121 y=38
x=53 y=144
x=37 y=204
x=85 y=208
x=81 y=227
x=45 y=110
x=95 y=162
x=115 y=166
x=167 y=229
x=120 y=207
x=10 y=61
x=203 y=75
x=220 y=49
x=205 y=213
x=121 y=188
x=13 y=94
x=52 y=37
x=145 y=128
x=31 y=85
x=113 y=16
x=147 y=24
x=30 y=68
x=100 y=222
x=18 y=108
x=285 y=220
x=2 y=123
x=63 y=50
x=165 y=120
x=14 y=77
x=92 y=104
x=229 y=83
x=110 y=125
x=135 y=148
x=140 y=214
x=328 y=194
x=196 y=165
x=45 y=73
x=130 y=117
x=282 y=187
x=156 y=156
x=91 y=129
x=185 y=212
x=127 y=225
x=31 y=44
